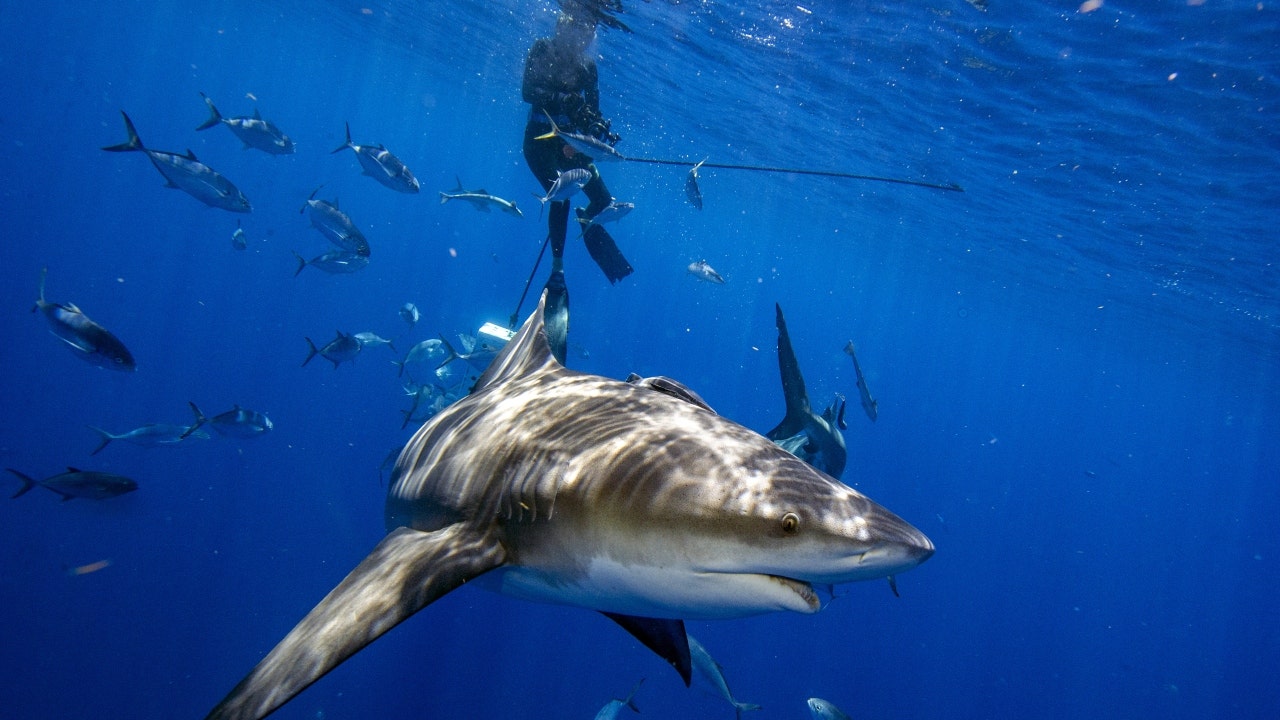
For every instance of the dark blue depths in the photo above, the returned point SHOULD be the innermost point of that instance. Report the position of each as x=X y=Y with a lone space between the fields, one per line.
x=1077 y=360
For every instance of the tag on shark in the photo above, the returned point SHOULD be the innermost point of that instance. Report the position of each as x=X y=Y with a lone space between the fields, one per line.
x=632 y=499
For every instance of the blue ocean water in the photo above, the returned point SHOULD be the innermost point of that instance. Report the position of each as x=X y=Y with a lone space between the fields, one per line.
x=1077 y=359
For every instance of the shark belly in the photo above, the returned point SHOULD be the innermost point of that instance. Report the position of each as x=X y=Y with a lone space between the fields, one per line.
x=607 y=585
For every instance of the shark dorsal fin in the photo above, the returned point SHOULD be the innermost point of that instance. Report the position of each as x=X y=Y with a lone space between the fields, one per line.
x=793 y=391
x=674 y=388
x=526 y=353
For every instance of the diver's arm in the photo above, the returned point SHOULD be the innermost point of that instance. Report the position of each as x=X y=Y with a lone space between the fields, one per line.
x=591 y=87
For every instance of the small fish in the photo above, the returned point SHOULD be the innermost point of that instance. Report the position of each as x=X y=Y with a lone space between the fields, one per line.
x=342 y=348
x=152 y=435
x=612 y=212
x=188 y=174
x=566 y=185
x=426 y=350
x=338 y=262
x=367 y=338
x=238 y=240
x=335 y=225
x=477 y=353
x=703 y=271
x=254 y=132
x=381 y=165
x=820 y=709
x=237 y=422
x=868 y=404
x=409 y=313
x=87 y=568
x=691 y=190
x=75 y=483
x=612 y=708
x=710 y=671
x=480 y=200
x=87 y=339
x=436 y=400
x=597 y=150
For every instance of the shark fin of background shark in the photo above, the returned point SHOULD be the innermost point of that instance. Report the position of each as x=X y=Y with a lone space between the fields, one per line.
x=798 y=409
x=667 y=638
x=407 y=571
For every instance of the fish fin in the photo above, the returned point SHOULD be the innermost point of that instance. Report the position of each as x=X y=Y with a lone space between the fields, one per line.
x=192 y=156
x=257 y=115
x=451 y=354
x=547 y=136
x=44 y=272
x=793 y=390
x=741 y=707
x=27 y=483
x=215 y=117
x=134 y=143
x=200 y=419
x=667 y=638
x=311 y=354
x=407 y=571
x=346 y=144
x=459 y=181
x=106 y=439
x=526 y=353
x=444 y=197
x=73 y=469
x=302 y=262
x=629 y=701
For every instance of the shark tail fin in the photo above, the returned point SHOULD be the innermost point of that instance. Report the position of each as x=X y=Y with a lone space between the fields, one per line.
x=199 y=420
x=346 y=144
x=27 y=483
x=215 y=117
x=630 y=700
x=407 y=571
x=106 y=439
x=302 y=262
x=133 y=144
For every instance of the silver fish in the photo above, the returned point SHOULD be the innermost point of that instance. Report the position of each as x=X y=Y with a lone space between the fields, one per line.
x=594 y=148
x=612 y=212
x=335 y=225
x=409 y=313
x=153 y=435
x=566 y=185
x=425 y=351
x=709 y=671
x=238 y=240
x=613 y=708
x=368 y=338
x=237 y=422
x=381 y=165
x=820 y=709
x=703 y=271
x=188 y=174
x=254 y=132
x=87 y=339
x=342 y=348
x=691 y=190
x=869 y=404
x=76 y=483
x=480 y=200
x=337 y=262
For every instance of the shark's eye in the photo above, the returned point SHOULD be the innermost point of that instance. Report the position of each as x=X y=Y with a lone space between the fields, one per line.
x=790 y=523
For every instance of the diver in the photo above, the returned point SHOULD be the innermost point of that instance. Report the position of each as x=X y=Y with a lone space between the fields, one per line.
x=561 y=81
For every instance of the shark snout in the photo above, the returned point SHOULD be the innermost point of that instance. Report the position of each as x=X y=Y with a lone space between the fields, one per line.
x=896 y=545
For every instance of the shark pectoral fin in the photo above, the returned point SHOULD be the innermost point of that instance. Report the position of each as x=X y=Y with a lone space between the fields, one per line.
x=407 y=571
x=667 y=638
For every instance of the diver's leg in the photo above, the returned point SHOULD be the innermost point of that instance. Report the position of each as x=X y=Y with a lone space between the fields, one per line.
x=598 y=241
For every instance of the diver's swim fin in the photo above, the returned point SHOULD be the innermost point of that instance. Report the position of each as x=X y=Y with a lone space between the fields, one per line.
x=606 y=253
x=556 y=314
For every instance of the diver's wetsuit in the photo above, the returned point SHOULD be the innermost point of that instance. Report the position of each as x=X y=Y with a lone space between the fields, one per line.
x=568 y=89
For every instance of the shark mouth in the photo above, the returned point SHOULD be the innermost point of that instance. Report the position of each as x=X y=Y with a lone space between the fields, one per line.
x=806 y=592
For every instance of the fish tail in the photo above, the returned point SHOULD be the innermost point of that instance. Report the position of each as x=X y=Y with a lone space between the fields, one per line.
x=27 y=483
x=444 y=198
x=391 y=344
x=311 y=354
x=453 y=354
x=106 y=439
x=44 y=272
x=215 y=117
x=134 y=143
x=200 y=419
x=302 y=262
x=630 y=701
x=346 y=144
x=741 y=707
x=400 y=365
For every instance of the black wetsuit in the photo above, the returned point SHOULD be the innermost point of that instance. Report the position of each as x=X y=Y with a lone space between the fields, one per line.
x=568 y=89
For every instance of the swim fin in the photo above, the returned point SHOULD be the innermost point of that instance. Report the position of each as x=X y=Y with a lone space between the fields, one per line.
x=606 y=253
x=556 y=314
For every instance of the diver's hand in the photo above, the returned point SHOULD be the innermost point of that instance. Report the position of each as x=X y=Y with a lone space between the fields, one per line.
x=571 y=105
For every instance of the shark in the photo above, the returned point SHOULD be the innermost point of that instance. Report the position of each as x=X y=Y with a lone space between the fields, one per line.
x=634 y=499
x=814 y=438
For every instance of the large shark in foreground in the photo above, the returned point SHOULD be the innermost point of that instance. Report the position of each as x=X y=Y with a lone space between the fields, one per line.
x=633 y=499
x=814 y=438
